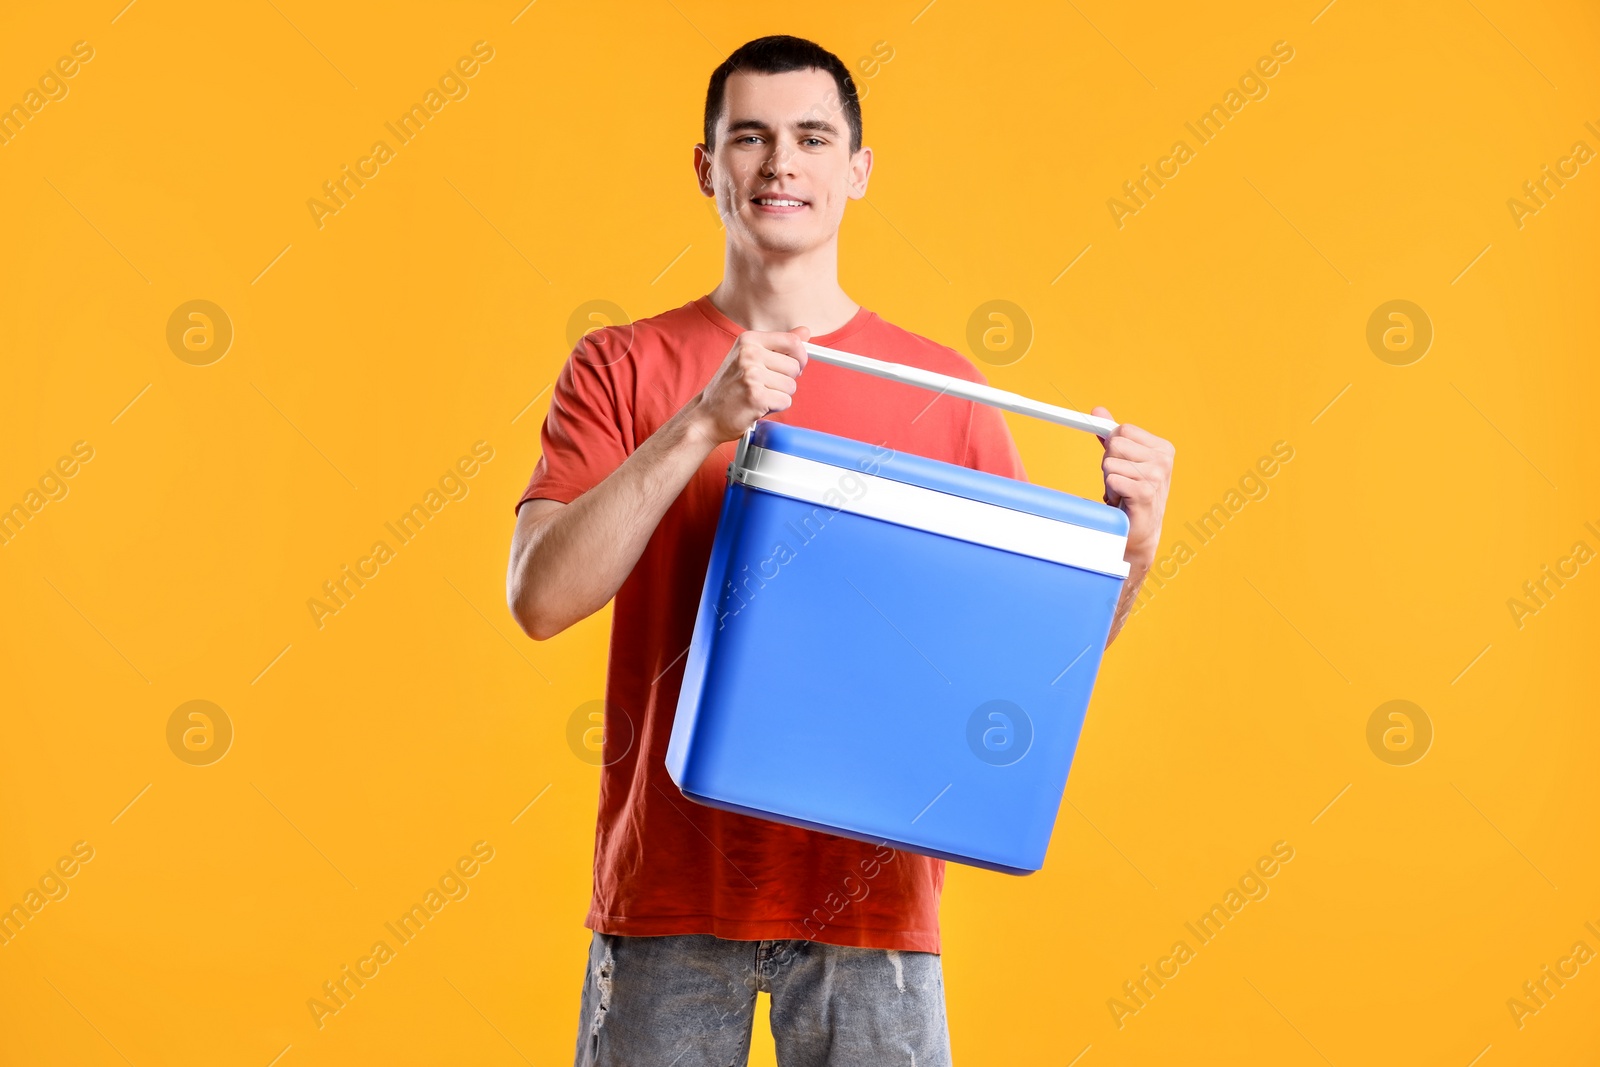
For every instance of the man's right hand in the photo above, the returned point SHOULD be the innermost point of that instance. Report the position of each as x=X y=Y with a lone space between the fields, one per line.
x=568 y=560
x=759 y=376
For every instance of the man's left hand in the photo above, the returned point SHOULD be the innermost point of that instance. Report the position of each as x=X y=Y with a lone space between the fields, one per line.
x=1138 y=472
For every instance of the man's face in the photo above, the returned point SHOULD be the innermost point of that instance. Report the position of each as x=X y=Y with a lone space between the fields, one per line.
x=782 y=138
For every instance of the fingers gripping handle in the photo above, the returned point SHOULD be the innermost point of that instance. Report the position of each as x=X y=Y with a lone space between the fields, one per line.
x=982 y=394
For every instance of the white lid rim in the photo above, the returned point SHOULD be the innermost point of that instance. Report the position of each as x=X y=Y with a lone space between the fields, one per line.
x=919 y=507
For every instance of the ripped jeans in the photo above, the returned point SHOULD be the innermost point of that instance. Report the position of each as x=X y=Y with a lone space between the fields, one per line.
x=689 y=1001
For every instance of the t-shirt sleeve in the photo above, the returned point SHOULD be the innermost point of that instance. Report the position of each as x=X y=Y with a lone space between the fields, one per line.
x=587 y=433
x=989 y=444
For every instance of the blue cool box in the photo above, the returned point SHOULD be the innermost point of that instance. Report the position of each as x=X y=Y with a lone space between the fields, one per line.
x=895 y=649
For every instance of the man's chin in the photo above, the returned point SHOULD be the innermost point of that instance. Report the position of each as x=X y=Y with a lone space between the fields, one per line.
x=785 y=245
x=777 y=244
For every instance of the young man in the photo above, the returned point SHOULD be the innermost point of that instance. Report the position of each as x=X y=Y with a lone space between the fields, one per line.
x=695 y=909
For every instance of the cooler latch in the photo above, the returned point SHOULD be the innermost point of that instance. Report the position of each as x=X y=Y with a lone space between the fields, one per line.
x=739 y=452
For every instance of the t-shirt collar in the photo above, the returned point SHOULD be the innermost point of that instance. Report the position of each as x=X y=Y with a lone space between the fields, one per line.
x=733 y=329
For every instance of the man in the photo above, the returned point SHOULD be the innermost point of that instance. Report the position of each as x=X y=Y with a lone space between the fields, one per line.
x=695 y=909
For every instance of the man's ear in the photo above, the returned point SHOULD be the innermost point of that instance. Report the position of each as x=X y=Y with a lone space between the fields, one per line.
x=860 y=171
x=702 y=169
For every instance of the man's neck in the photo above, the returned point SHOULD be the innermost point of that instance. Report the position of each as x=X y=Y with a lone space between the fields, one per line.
x=784 y=293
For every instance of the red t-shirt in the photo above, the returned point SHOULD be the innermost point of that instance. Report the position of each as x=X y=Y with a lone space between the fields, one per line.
x=662 y=863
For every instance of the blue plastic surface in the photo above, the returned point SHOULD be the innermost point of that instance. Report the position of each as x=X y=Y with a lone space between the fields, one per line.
x=878 y=682
x=933 y=474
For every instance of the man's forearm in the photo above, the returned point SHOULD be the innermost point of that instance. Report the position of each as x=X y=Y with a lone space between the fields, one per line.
x=1130 y=593
x=575 y=561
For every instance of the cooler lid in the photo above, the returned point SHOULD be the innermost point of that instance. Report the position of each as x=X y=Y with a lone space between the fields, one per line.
x=936 y=474
x=931 y=495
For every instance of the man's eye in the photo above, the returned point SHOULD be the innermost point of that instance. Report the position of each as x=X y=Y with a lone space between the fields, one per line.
x=747 y=138
x=814 y=140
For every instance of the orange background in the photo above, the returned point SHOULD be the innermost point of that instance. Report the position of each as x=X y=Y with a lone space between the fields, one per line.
x=432 y=312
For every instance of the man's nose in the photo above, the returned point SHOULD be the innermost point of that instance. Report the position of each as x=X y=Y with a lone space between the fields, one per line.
x=780 y=161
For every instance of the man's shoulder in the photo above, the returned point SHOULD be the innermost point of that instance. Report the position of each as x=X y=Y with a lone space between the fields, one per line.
x=684 y=317
x=598 y=328
x=897 y=344
x=606 y=342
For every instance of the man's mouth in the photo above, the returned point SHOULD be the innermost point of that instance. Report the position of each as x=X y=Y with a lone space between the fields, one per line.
x=778 y=204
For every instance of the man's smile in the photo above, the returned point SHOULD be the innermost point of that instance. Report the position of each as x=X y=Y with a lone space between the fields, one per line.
x=778 y=204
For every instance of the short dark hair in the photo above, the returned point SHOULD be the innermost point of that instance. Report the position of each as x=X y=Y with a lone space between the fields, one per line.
x=780 y=54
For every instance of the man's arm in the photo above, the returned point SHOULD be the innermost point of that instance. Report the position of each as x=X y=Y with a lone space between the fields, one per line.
x=568 y=560
x=1138 y=473
x=1130 y=593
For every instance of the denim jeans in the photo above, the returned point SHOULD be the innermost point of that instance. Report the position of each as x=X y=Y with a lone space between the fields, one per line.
x=689 y=1001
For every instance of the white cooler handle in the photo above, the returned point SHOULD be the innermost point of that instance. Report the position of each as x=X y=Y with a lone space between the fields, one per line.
x=983 y=394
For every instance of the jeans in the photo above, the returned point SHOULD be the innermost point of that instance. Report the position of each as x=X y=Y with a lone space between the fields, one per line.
x=689 y=1001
